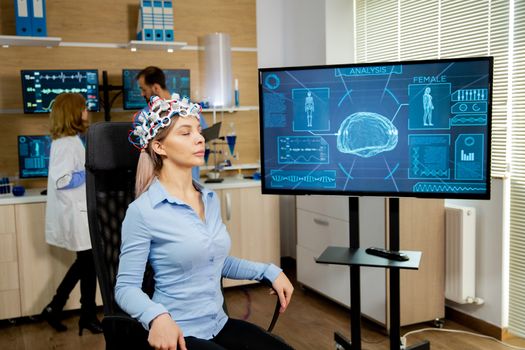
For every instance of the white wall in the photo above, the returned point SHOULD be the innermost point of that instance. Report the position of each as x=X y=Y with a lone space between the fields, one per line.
x=294 y=33
x=290 y=33
x=492 y=272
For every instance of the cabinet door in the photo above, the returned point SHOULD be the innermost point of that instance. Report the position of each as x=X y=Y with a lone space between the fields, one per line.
x=422 y=228
x=9 y=286
x=253 y=223
x=41 y=266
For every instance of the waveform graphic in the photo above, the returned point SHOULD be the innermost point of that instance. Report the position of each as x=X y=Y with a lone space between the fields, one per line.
x=439 y=187
x=62 y=76
x=307 y=178
x=318 y=179
x=59 y=91
x=459 y=120
x=302 y=150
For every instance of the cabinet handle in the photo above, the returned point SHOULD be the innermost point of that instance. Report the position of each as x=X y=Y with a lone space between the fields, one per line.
x=228 y=206
x=321 y=222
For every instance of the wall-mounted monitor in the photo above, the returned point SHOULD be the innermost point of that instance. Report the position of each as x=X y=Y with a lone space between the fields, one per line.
x=177 y=80
x=40 y=87
x=415 y=128
x=33 y=155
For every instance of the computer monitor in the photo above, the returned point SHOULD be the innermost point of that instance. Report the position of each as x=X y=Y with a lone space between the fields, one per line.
x=40 y=87
x=33 y=155
x=395 y=129
x=177 y=80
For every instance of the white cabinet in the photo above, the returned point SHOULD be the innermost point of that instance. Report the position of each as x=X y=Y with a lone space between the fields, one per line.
x=323 y=221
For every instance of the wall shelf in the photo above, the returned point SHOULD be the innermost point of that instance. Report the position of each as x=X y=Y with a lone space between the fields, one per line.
x=169 y=46
x=48 y=41
x=18 y=40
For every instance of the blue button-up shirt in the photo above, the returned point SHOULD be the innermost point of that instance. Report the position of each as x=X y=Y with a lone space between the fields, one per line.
x=188 y=257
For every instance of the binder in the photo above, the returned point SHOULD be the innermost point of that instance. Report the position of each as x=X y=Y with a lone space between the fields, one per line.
x=167 y=20
x=145 y=22
x=39 y=18
x=158 y=27
x=23 y=14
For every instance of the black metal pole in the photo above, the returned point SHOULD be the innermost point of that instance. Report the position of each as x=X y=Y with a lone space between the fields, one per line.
x=395 y=293
x=355 y=275
x=105 y=94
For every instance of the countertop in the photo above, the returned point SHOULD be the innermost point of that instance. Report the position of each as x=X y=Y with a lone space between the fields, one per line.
x=33 y=195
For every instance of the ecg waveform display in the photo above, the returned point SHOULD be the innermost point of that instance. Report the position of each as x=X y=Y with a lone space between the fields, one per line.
x=394 y=129
x=177 y=80
x=33 y=155
x=302 y=150
x=40 y=87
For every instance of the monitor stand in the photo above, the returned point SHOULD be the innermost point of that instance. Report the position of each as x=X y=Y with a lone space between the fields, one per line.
x=356 y=257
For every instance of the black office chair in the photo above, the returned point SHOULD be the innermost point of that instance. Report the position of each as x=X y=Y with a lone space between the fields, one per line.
x=111 y=162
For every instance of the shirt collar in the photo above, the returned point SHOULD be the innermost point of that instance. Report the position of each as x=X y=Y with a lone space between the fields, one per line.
x=158 y=194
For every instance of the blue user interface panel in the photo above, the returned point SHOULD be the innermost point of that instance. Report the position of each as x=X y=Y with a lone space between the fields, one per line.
x=418 y=129
x=40 y=87
x=33 y=155
x=177 y=80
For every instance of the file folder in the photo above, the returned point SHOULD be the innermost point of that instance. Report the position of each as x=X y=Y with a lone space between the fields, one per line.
x=145 y=22
x=38 y=22
x=167 y=20
x=158 y=27
x=23 y=17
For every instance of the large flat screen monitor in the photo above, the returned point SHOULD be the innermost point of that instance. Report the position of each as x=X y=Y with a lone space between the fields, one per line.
x=396 y=129
x=40 y=87
x=33 y=155
x=177 y=80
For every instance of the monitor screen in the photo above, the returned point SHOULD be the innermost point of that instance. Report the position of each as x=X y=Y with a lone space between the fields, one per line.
x=397 y=129
x=177 y=80
x=40 y=87
x=33 y=155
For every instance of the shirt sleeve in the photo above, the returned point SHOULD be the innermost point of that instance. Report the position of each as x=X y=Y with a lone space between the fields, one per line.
x=134 y=254
x=241 y=269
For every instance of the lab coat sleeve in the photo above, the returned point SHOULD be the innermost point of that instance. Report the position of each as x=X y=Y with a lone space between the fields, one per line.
x=134 y=254
x=63 y=163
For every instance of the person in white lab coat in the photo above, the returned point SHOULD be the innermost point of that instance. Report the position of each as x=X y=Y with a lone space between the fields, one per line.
x=66 y=211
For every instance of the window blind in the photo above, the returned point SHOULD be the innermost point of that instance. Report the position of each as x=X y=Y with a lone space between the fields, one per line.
x=447 y=29
x=517 y=220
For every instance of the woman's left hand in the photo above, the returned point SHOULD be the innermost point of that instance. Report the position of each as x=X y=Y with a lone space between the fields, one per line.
x=284 y=290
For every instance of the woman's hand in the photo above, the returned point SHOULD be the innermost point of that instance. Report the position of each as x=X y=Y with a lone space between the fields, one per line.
x=165 y=334
x=284 y=290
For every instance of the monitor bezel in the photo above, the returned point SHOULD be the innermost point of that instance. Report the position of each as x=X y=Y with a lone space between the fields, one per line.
x=26 y=111
x=20 y=160
x=127 y=108
x=479 y=196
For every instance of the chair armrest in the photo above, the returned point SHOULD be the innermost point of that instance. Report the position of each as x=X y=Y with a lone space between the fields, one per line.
x=121 y=331
x=276 y=312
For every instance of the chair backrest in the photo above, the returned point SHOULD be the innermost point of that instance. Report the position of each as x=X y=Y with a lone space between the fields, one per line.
x=111 y=163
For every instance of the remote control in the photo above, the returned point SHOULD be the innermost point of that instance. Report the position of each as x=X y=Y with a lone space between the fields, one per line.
x=388 y=254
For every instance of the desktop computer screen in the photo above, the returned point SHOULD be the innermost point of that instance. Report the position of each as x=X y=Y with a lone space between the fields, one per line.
x=40 y=87
x=177 y=80
x=33 y=155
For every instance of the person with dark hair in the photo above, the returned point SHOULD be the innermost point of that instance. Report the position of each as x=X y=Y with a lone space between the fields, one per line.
x=175 y=224
x=152 y=82
x=66 y=210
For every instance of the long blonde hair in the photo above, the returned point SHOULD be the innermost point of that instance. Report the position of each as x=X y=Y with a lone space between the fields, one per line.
x=66 y=115
x=150 y=163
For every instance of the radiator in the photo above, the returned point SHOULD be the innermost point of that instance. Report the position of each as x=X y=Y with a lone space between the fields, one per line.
x=460 y=270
